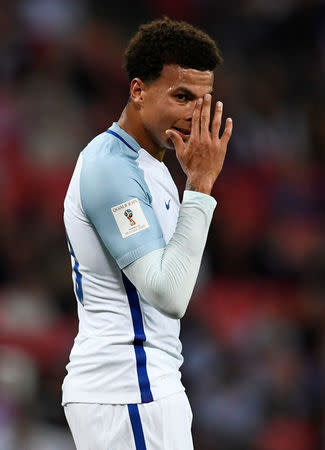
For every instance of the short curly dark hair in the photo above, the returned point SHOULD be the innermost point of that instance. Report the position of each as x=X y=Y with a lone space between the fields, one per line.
x=165 y=41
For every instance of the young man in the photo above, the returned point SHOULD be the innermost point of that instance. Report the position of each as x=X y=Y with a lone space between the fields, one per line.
x=136 y=251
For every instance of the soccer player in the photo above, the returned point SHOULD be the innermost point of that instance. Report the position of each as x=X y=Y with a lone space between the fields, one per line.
x=136 y=250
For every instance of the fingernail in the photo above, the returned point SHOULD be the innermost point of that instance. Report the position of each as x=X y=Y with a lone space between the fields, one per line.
x=219 y=105
x=168 y=133
x=200 y=100
x=230 y=119
x=207 y=97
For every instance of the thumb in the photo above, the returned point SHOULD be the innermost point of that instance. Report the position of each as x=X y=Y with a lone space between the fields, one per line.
x=176 y=140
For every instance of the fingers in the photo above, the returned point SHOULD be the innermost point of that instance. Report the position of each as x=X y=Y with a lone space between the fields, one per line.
x=205 y=117
x=224 y=141
x=227 y=132
x=216 y=123
x=195 y=127
x=176 y=140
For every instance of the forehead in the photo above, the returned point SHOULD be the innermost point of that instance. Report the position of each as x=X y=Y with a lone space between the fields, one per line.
x=174 y=77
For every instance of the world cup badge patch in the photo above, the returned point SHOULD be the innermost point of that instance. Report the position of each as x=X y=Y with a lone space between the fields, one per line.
x=129 y=214
x=129 y=217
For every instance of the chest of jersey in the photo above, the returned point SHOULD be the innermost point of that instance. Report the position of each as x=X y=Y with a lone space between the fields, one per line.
x=165 y=199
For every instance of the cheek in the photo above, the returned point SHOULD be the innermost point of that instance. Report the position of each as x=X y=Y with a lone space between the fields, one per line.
x=158 y=118
x=160 y=113
x=170 y=114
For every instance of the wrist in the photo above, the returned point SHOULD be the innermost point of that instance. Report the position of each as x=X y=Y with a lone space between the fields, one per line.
x=199 y=186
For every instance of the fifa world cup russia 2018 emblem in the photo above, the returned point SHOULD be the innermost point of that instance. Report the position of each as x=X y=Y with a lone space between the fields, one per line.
x=129 y=214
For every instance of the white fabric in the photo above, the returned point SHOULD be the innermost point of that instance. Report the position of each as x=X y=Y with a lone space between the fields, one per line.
x=103 y=364
x=166 y=277
x=166 y=425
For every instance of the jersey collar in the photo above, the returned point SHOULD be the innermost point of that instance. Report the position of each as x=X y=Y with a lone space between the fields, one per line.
x=123 y=136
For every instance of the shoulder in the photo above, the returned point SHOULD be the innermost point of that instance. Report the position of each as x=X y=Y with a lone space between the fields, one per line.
x=107 y=159
x=110 y=172
x=105 y=151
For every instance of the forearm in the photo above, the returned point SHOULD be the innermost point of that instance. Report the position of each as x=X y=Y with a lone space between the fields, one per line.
x=166 y=277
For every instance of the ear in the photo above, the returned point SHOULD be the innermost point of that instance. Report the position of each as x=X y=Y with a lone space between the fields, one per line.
x=136 y=91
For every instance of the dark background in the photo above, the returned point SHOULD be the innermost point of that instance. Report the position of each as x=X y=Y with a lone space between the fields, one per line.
x=254 y=339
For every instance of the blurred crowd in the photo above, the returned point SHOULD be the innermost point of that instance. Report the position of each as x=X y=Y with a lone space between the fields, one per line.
x=254 y=335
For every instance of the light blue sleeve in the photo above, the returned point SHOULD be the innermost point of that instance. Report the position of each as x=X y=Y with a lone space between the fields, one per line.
x=108 y=183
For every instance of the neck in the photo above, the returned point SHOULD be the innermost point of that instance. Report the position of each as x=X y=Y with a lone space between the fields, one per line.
x=130 y=122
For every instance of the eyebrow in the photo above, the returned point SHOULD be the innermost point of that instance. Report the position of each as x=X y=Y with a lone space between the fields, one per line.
x=189 y=93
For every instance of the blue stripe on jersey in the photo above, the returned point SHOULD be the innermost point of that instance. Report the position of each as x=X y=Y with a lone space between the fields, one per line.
x=137 y=427
x=78 y=285
x=139 y=338
x=120 y=137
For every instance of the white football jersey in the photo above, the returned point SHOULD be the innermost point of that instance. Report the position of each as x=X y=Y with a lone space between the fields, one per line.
x=120 y=205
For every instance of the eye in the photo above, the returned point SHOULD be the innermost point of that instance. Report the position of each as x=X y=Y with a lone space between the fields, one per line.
x=181 y=97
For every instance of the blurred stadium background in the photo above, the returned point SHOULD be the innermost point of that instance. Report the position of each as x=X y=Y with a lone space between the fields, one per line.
x=254 y=337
